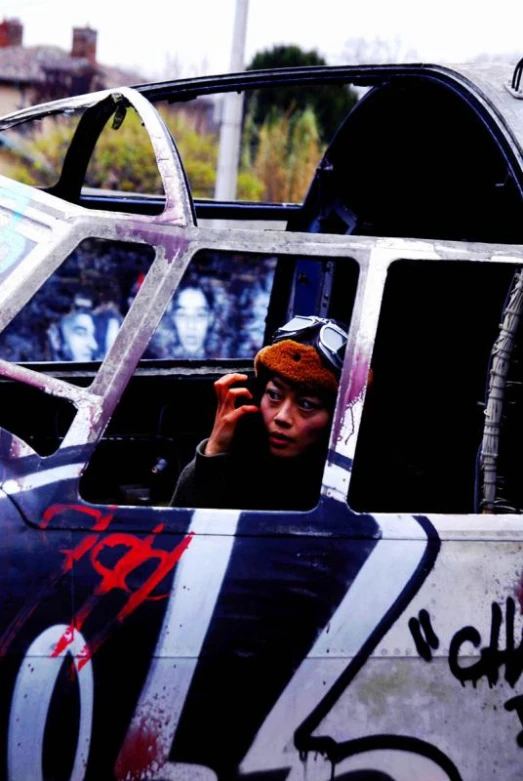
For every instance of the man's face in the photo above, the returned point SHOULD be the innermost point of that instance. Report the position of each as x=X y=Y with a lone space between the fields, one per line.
x=192 y=319
x=294 y=420
x=78 y=335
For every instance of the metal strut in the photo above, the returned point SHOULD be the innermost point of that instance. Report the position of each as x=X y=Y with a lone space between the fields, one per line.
x=500 y=362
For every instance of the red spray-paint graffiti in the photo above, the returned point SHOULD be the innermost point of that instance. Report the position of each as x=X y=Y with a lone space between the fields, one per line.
x=136 y=552
x=102 y=519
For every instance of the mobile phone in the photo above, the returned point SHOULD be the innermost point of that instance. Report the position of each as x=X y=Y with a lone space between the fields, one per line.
x=250 y=385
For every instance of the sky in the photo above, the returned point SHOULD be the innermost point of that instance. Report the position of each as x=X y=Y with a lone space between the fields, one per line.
x=160 y=40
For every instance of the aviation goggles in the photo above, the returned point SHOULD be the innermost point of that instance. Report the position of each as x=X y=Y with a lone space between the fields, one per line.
x=326 y=336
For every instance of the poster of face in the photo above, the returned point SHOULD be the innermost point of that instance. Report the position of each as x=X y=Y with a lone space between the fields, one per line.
x=77 y=313
x=218 y=310
x=84 y=333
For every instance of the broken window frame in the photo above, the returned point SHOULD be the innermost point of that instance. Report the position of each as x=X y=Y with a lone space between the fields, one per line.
x=374 y=256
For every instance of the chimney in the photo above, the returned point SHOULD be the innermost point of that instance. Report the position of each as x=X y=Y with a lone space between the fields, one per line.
x=11 y=31
x=84 y=43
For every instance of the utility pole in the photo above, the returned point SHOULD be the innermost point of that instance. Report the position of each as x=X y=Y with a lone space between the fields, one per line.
x=231 y=125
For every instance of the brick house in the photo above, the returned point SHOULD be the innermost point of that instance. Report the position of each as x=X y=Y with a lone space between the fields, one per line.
x=34 y=74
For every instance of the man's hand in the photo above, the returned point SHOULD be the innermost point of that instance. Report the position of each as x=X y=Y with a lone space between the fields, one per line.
x=227 y=414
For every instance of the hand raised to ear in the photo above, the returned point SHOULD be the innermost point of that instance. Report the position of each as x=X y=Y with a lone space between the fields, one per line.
x=227 y=414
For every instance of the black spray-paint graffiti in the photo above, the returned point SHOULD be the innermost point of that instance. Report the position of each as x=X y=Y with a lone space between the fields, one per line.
x=425 y=639
x=491 y=657
x=516 y=704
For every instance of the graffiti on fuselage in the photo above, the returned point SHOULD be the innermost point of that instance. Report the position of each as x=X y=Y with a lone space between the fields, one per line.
x=272 y=640
x=492 y=657
x=134 y=552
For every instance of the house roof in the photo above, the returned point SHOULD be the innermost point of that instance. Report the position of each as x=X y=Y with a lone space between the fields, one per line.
x=31 y=65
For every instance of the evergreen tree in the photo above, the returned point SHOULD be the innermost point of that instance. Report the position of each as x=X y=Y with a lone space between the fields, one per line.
x=330 y=102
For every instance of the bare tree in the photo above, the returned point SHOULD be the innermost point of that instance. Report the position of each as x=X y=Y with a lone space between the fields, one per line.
x=360 y=51
x=175 y=68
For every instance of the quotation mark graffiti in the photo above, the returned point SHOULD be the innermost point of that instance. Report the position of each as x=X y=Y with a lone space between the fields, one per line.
x=424 y=636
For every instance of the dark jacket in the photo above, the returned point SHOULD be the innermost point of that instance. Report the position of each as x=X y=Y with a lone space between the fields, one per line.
x=249 y=477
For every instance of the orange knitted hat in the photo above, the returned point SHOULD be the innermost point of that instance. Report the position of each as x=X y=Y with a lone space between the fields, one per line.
x=297 y=363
